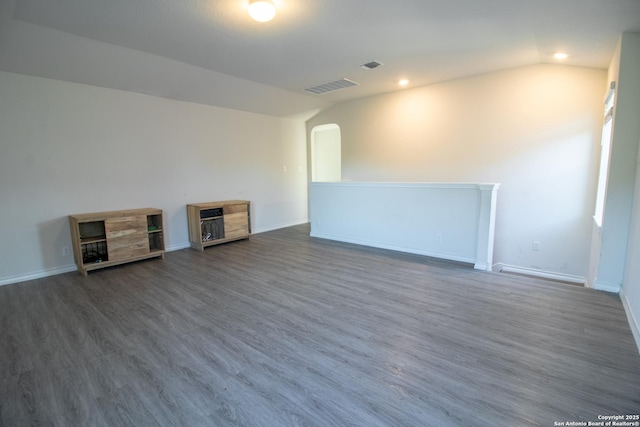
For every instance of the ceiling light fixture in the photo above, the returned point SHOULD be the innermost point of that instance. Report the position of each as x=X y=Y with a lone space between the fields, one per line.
x=560 y=55
x=262 y=10
x=403 y=82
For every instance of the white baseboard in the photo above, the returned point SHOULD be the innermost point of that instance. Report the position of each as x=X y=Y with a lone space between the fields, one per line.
x=539 y=273
x=379 y=245
x=37 y=274
x=483 y=266
x=279 y=226
x=614 y=289
x=633 y=322
x=178 y=247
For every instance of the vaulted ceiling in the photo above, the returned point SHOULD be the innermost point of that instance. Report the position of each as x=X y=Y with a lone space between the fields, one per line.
x=211 y=52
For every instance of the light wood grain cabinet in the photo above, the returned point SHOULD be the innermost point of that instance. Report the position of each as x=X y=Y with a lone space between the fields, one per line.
x=104 y=239
x=214 y=223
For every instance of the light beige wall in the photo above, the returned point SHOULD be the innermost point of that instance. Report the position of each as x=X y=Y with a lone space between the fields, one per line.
x=69 y=148
x=534 y=129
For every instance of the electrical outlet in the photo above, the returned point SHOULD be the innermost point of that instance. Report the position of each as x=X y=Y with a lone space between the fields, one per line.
x=536 y=246
x=284 y=168
x=66 y=251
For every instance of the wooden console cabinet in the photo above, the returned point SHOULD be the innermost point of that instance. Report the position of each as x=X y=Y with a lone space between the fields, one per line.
x=218 y=222
x=104 y=239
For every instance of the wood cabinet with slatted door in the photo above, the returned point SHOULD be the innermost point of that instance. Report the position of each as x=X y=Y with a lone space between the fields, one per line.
x=104 y=239
x=213 y=223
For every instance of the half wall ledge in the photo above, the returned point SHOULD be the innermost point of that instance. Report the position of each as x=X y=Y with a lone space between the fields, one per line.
x=444 y=220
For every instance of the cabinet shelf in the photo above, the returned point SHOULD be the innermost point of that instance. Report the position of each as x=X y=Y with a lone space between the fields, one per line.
x=87 y=240
x=105 y=239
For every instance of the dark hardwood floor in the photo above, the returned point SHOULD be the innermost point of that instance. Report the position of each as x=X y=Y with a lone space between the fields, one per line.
x=286 y=330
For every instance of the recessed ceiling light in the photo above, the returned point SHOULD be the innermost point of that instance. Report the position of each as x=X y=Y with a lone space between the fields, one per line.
x=561 y=55
x=262 y=10
x=403 y=82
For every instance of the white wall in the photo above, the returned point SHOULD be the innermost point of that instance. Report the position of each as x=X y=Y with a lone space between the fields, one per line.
x=625 y=71
x=326 y=154
x=450 y=221
x=631 y=282
x=534 y=129
x=68 y=148
x=627 y=140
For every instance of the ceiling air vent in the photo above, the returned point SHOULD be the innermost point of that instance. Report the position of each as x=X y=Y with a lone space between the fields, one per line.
x=330 y=87
x=371 y=65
